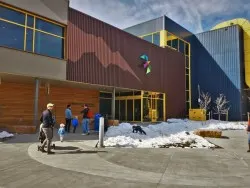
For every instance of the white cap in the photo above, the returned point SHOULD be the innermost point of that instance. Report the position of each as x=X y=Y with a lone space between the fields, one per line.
x=50 y=105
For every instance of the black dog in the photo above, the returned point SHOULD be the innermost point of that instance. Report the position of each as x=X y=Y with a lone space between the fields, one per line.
x=138 y=128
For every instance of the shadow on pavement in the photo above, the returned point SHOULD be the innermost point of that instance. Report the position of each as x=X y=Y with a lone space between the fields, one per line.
x=32 y=138
x=66 y=148
x=224 y=137
x=79 y=151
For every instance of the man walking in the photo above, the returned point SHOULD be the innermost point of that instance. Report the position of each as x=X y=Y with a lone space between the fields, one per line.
x=68 y=118
x=85 y=120
x=47 y=121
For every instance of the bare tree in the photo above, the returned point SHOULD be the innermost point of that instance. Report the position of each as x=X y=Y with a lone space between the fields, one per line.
x=205 y=100
x=221 y=105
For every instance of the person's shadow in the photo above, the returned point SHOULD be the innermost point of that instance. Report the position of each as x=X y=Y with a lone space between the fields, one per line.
x=74 y=150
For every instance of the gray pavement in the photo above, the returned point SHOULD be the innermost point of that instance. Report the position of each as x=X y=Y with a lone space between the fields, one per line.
x=78 y=164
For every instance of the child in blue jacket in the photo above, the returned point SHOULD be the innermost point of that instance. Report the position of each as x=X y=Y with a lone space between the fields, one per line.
x=61 y=131
x=75 y=123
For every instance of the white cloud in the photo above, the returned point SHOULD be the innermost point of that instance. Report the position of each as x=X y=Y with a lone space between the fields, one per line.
x=188 y=13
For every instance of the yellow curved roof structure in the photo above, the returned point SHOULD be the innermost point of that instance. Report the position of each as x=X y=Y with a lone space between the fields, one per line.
x=245 y=25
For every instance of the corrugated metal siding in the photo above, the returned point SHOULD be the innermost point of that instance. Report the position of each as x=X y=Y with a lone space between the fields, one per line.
x=146 y=27
x=102 y=54
x=244 y=95
x=217 y=67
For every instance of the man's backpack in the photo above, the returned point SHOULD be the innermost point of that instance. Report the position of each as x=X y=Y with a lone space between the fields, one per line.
x=90 y=114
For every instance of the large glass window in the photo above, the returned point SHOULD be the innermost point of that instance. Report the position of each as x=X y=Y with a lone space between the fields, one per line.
x=153 y=38
x=12 y=15
x=146 y=110
x=48 y=45
x=105 y=95
x=137 y=110
x=49 y=27
x=156 y=38
x=30 y=21
x=29 y=40
x=186 y=49
x=130 y=110
x=123 y=110
x=117 y=109
x=181 y=46
x=105 y=106
x=11 y=35
x=160 y=107
x=148 y=38
x=18 y=31
x=147 y=107
x=175 y=44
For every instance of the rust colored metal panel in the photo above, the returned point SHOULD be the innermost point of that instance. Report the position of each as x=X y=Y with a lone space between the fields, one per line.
x=99 y=53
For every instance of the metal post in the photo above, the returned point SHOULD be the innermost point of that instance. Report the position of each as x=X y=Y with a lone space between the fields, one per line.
x=164 y=107
x=142 y=92
x=36 y=102
x=113 y=104
x=101 y=132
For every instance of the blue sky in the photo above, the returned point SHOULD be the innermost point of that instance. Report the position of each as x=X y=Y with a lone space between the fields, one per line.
x=194 y=15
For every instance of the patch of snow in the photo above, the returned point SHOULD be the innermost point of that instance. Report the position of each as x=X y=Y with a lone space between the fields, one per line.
x=173 y=133
x=5 y=134
x=214 y=124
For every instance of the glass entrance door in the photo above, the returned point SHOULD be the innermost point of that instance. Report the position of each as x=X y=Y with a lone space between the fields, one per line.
x=140 y=106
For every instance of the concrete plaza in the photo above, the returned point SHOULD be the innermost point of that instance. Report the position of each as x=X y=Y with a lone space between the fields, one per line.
x=77 y=163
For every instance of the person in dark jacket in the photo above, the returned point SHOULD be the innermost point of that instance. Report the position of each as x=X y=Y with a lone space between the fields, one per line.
x=47 y=121
x=85 y=120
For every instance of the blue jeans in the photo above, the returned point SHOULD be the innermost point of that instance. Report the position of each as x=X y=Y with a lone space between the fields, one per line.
x=85 y=125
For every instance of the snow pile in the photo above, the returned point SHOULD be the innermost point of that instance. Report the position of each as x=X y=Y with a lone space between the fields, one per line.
x=214 y=124
x=5 y=134
x=173 y=133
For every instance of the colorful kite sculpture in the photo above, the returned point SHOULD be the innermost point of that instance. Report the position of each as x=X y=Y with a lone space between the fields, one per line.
x=146 y=63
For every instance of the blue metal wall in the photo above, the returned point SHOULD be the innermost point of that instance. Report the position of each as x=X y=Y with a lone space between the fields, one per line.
x=217 y=67
x=176 y=29
x=146 y=27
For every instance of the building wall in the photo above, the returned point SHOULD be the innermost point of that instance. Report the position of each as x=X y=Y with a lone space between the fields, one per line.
x=146 y=27
x=108 y=56
x=176 y=29
x=17 y=104
x=23 y=63
x=218 y=67
x=62 y=96
x=56 y=10
x=16 y=107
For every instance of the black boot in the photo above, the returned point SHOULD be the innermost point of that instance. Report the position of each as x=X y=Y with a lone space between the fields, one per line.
x=41 y=149
x=50 y=152
x=249 y=148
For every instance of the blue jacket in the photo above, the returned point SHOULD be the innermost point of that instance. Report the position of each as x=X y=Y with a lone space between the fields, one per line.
x=68 y=113
x=75 y=122
x=61 y=131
